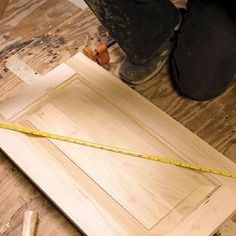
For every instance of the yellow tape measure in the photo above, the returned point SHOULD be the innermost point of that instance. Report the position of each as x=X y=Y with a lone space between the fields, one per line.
x=119 y=150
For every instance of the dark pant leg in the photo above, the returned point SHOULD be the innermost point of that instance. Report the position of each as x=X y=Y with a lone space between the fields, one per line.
x=203 y=63
x=139 y=26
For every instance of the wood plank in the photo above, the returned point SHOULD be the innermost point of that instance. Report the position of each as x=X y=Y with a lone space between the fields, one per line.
x=228 y=229
x=37 y=89
x=86 y=197
x=112 y=168
x=195 y=149
x=213 y=121
x=44 y=53
x=18 y=29
x=197 y=224
x=104 y=93
x=47 y=14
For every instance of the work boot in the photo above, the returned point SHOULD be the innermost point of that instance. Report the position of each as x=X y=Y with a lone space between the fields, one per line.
x=138 y=74
x=140 y=28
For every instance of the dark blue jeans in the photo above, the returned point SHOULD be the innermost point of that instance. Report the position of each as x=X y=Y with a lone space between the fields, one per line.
x=139 y=26
x=203 y=61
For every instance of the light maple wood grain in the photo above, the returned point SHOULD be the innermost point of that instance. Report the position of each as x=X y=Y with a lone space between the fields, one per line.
x=37 y=89
x=134 y=188
x=213 y=121
x=22 y=22
x=137 y=197
x=202 y=220
x=154 y=121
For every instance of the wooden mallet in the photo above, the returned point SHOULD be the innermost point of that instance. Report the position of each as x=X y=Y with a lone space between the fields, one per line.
x=29 y=223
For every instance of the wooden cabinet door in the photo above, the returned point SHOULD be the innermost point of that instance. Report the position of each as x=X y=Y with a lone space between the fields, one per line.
x=107 y=193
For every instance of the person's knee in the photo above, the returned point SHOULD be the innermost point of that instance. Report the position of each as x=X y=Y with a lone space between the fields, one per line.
x=200 y=83
x=200 y=92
